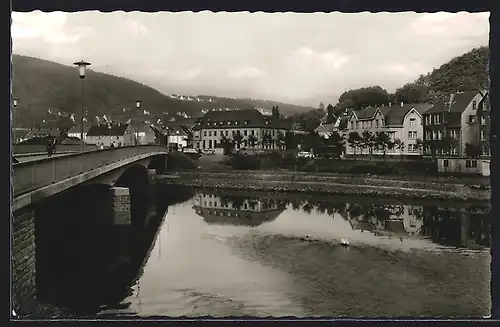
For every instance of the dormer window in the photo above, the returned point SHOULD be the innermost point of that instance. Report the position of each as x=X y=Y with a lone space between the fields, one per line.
x=246 y=122
x=229 y=123
x=474 y=105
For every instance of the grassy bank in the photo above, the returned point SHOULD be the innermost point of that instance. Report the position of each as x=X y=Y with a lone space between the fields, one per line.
x=345 y=185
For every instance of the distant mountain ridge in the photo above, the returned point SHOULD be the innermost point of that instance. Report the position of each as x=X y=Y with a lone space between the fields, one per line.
x=47 y=90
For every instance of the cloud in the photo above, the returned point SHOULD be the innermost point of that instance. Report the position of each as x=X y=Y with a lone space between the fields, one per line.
x=48 y=27
x=445 y=25
x=408 y=70
x=330 y=60
x=135 y=27
x=246 y=73
x=189 y=74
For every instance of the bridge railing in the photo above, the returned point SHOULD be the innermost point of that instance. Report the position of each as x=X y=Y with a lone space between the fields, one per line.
x=31 y=175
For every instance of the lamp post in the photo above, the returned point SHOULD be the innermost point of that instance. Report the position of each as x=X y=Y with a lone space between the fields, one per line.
x=138 y=106
x=82 y=65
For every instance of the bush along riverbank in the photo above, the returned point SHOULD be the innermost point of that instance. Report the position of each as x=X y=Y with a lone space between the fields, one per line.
x=338 y=185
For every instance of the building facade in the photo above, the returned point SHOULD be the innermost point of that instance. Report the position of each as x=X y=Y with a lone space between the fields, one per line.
x=456 y=132
x=76 y=132
x=240 y=126
x=110 y=135
x=401 y=122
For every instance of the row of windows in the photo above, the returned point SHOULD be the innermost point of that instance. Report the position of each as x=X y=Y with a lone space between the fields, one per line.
x=245 y=132
x=453 y=150
x=220 y=123
x=368 y=124
x=468 y=163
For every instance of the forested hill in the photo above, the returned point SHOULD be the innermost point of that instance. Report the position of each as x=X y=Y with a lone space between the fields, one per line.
x=463 y=73
x=47 y=90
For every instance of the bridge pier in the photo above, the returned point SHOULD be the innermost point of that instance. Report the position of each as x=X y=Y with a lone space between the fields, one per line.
x=120 y=205
x=23 y=258
x=151 y=176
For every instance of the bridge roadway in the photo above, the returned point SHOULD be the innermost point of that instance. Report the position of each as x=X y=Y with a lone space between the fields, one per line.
x=36 y=178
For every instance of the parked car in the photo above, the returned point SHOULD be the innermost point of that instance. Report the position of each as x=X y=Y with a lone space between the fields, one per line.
x=190 y=150
x=208 y=151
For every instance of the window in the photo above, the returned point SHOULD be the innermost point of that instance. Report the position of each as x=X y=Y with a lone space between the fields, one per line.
x=483 y=137
x=209 y=144
x=470 y=164
x=411 y=148
x=454 y=134
x=434 y=135
x=227 y=132
x=215 y=203
x=445 y=163
x=427 y=135
x=204 y=133
x=474 y=105
x=412 y=135
x=215 y=133
x=215 y=143
x=204 y=145
x=357 y=125
x=413 y=122
x=376 y=123
x=428 y=119
x=472 y=119
x=210 y=133
x=253 y=132
x=245 y=132
x=483 y=120
x=440 y=135
x=453 y=149
x=485 y=150
x=437 y=119
x=382 y=122
x=233 y=132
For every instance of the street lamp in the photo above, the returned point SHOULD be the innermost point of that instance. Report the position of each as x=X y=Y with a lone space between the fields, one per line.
x=82 y=65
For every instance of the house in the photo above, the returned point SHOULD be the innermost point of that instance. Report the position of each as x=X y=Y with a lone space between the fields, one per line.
x=214 y=126
x=76 y=132
x=456 y=133
x=325 y=130
x=19 y=134
x=41 y=133
x=143 y=133
x=110 y=134
x=401 y=122
x=177 y=135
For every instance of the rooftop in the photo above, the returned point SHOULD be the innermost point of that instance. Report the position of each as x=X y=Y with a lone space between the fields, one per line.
x=247 y=118
x=107 y=130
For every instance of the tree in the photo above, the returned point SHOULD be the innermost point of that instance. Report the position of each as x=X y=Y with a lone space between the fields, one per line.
x=382 y=142
x=281 y=140
x=238 y=139
x=446 y=143
x=252 y=141
x=419 y=145
x=290 y=141
x=337 y=141
x=363 y=97
x=354 y=140
x=267 y=140
x=227 y=144
x=368 y=142
x=472 y=150
x=330 y=115
x=400 y=145
x=321 y=106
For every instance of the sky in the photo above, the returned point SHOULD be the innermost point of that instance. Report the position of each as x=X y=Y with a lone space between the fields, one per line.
x=296 y=58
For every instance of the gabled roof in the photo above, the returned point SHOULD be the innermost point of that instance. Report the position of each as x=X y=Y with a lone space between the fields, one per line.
x=457 y=102
x=244 y=118
x=325 y=128
x=107 y=130
x=366 y=113
x=395 y=114
x=76 y=129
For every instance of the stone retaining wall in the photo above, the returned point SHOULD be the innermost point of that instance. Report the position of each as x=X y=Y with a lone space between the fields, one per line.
x=23 y=257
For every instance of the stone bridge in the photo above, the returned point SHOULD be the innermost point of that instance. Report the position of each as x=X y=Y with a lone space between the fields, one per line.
x=76 y=194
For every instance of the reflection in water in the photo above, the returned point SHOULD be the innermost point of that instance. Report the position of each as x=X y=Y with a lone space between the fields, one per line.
x=236 y=210
x=226 y=253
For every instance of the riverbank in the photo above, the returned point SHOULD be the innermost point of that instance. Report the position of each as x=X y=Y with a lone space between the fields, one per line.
x=342 y=185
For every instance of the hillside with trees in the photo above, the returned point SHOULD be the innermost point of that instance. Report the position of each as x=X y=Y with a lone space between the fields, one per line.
x=48 y=90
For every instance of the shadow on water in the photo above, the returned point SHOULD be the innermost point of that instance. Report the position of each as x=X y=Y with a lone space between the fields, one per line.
x=85 y=263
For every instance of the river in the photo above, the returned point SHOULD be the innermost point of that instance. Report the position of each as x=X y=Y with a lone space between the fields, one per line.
x=222 y=253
